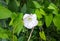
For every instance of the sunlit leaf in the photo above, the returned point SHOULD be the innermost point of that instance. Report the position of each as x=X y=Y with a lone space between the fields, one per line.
x=53 y=7
x=42 y=35
x=14 y=15
x=15 y=38
x=42 y=12
x=56 y=21
x=48 y=20
x=37 y=5
x=38 y=14
x=40 y=23
x=18 y=23
x=3 y=34
x=4 y=12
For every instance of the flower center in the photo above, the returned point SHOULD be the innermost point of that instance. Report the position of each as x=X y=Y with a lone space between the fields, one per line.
x=29 y=19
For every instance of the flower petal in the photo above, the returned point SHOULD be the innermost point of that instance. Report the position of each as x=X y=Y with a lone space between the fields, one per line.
x=34 y=16
x=26 y=15
x=30 y=23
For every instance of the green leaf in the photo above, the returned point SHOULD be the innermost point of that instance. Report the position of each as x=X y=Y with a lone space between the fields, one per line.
x=40 y=23
x=37 y=5
x=18 y=23
x=23 y=10
x=15 y=38
x=53 y=39
x=4 y=12
x=12 y=5
x=22 y=38
x=56 y=21
x=3 y=36
x=17 y=2
x=42 y=12
x=7 y=1
x=3 y=33
x=42 y=35
x=48 y=19
x=37 y=12
x=14 y=15
x=53 y=7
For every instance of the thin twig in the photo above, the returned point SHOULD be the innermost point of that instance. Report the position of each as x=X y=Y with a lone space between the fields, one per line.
x=30 y=34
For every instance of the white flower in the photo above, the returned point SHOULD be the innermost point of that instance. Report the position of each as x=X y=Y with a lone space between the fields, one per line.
x=30 y=20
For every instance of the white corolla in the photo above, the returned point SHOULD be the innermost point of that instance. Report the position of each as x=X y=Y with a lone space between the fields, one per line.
x=30 y=20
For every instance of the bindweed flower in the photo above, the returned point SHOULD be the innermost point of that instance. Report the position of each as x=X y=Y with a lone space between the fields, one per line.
x=30 y=20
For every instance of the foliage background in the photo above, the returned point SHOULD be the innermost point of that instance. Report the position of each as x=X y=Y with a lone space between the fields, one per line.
x=11 y=23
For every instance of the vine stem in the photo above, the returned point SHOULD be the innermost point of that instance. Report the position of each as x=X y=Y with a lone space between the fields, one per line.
x=30 y=34
x=13 y=34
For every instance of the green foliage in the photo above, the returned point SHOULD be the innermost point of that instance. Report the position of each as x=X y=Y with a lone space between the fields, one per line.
x=11 y=20
x=4 y=13
x=48 y=19
x=42 y=12
x=21 y=39
x=23 y=10
x=12 y=5
x=14 y=15
x=37 y=5
x=40 y=23
x=15 y=38
x=38 y=14
x=42 y=35
x=56 y=21
x=53 y=7
x=52 y=39
x=3 y=34
x=18 y=24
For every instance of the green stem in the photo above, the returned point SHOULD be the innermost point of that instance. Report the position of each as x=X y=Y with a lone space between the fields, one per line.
x=30 y=34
